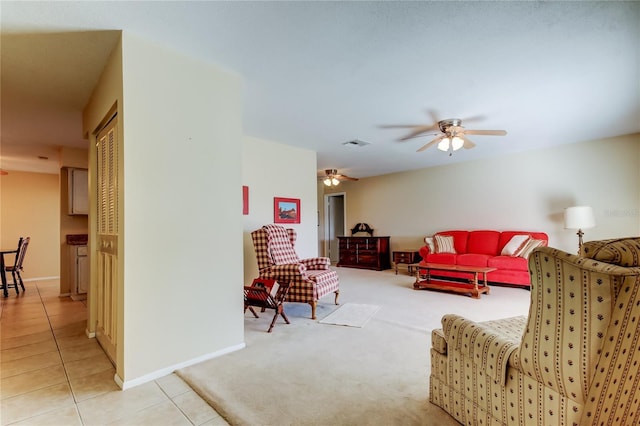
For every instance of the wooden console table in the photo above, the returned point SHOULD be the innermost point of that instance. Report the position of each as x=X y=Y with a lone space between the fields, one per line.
x=473 y=287
x=405 y=257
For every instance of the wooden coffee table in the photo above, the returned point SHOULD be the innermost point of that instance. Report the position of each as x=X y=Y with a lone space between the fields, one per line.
x=473 y=287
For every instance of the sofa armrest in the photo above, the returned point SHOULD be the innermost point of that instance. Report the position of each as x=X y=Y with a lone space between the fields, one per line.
x=316 y=263
x=424 y=251
x=483 y=343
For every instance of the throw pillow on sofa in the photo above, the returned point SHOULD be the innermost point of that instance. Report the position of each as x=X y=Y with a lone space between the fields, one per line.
x=444 y=244
x=430 y=243
x=515 y=245
x=528 y=248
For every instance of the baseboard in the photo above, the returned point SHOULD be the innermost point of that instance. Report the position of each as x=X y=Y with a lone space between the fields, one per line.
x=127 y=384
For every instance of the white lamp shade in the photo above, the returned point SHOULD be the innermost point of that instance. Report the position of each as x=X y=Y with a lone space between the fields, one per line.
x=579 y=217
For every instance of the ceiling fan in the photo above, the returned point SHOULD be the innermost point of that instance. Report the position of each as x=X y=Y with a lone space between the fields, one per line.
x=451 y=136
x=332 y=178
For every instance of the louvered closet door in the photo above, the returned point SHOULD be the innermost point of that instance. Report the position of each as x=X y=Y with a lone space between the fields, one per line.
x=107 y=238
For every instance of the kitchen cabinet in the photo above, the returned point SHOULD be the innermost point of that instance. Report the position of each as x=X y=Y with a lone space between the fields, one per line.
x=78 y=191
x=78 y=266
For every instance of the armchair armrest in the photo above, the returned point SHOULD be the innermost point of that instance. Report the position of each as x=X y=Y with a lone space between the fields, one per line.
x=316 y=263
x=285 y=272
x=483 y=343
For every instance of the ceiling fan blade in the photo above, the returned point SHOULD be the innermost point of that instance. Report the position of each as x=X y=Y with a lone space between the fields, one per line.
x=486 y=132
x=474 y=118
x=468 y=144
x=435 y=141
x=401 y=126
x=345 y=177
x=433 y=115
x=418 y=131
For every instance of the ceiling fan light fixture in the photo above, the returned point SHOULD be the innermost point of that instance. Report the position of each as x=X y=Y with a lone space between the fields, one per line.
x=456 y=143
x=452 y=138
x=331 y=181
x=333 y=178
x=443 y=145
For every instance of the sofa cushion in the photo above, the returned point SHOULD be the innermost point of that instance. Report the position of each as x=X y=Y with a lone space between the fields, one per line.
x=446 y=258
x=509 y=262
x=459 y=239
x=483 y=242
x=620 y=251
x=472 y=259
x=444 y=244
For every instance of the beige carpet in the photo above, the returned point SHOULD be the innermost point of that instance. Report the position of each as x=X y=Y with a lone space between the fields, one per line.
x=307 y=373
x=351 y=315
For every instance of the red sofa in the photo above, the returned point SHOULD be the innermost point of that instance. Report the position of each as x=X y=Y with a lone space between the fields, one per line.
x=484 y=248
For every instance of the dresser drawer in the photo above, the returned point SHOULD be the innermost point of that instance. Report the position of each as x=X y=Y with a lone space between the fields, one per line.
x=369 y=251
x=348 y=259
x=403 y=257
x=370 y=260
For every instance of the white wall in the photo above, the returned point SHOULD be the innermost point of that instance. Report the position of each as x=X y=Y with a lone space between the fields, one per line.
x=271 y=170
x=182 y=222
x=524 y=191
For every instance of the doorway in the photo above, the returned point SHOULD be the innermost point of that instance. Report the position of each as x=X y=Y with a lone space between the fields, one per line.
x=335 y=206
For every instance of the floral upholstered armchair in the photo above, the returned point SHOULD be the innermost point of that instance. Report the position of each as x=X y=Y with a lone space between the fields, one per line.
x=575 y=360
x=309 y=279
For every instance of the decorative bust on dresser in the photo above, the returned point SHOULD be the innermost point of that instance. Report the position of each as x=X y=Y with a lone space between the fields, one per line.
x=363 y=250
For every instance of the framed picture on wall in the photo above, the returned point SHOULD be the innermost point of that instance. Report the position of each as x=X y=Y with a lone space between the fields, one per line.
x=286 y=210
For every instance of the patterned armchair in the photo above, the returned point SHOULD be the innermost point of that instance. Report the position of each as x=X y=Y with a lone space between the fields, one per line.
x=575 y=360
x=309 y=279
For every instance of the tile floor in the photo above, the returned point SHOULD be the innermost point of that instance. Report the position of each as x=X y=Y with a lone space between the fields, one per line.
x=52 y=374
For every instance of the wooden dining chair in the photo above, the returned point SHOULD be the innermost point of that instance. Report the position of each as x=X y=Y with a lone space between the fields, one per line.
x=16 y=268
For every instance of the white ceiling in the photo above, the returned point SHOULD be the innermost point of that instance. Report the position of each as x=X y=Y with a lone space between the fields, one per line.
x=318 y=74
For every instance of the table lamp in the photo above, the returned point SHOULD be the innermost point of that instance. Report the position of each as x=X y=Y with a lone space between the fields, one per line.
x=579 y=217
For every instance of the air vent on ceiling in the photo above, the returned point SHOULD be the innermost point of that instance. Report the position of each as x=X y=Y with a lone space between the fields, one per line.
x=355 y=142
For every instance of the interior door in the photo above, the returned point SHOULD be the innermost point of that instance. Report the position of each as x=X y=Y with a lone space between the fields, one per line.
x=335 y=224
x=107 y=226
